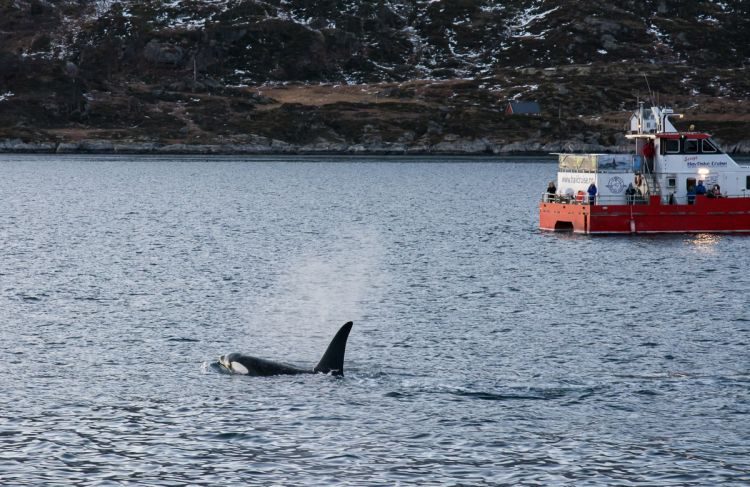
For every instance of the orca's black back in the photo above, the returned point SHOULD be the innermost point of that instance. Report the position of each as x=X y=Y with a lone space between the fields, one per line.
x=260 y=367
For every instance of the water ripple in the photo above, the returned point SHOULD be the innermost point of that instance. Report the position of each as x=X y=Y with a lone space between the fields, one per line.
x=484 y=352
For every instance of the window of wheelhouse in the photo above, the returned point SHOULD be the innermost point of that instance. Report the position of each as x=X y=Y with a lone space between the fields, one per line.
x=691 y=146
x=671 y=146
x=707 y=147
x=747 y=182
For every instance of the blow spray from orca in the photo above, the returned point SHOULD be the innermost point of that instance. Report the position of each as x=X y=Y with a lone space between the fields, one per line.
x=331 y=282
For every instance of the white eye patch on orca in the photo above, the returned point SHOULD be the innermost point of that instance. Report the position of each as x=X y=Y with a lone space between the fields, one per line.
x=238 y=368
x=232 y=365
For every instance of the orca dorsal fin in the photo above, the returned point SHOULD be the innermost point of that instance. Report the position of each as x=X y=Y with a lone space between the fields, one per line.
x=333 y=360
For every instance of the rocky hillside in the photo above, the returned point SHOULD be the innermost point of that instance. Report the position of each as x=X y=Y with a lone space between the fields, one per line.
x=363 y=76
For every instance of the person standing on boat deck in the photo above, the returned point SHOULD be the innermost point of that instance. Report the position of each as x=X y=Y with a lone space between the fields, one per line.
x=630 y=193
x=648 y=153
x=700 y=189
x=551 y=190
x=592 y=193
x=641 y=186
x=716 y=191
x=638 y=181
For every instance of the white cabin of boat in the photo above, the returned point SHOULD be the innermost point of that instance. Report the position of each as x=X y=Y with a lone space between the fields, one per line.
x=681 y=159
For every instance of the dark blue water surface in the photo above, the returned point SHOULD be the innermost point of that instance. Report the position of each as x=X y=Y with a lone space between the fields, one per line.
x=484 y=352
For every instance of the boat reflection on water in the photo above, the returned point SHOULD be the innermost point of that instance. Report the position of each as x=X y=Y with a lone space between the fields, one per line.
x=705 y=242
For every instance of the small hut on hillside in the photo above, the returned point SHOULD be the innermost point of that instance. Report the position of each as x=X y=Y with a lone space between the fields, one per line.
x=523 y=108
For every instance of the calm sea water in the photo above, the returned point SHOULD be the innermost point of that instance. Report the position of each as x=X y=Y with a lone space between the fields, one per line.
x=484 y=352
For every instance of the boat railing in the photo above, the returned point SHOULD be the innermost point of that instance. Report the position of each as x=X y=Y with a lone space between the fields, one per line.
x=600 y=171
x=583 y=199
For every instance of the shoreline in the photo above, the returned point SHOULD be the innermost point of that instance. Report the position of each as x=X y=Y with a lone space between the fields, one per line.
x=270 y=147
x=265 y=146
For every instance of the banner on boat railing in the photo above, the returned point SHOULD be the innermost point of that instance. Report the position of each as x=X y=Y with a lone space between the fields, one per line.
x=596 y=162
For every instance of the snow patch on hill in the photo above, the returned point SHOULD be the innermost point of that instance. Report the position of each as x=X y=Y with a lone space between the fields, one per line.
x=527 y=18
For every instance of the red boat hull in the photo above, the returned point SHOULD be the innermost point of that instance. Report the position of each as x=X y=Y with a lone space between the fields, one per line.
x=706 y=215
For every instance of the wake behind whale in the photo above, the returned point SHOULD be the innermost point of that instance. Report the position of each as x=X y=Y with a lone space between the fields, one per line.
x=332 y=361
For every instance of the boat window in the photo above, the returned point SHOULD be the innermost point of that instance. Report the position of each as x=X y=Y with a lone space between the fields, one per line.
x=708 y=147
x=671 y=182
x=691 y=146
x=747 y=183
x=672 y=146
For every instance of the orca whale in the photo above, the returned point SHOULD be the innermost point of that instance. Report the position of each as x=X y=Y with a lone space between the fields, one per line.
x=331 y=363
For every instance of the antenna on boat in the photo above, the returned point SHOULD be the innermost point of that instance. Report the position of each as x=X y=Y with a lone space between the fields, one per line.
x=650 y=93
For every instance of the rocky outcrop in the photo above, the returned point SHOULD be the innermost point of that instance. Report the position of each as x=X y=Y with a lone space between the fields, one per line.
x=87 y=145
x=741 y=147
x=451 y=145
x=163 y=53
x=17 y=145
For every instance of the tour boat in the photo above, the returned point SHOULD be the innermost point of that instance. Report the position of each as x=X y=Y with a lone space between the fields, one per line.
x=682 y=183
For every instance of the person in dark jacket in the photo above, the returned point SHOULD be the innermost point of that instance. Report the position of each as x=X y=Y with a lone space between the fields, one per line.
x=700 y=189
x=691 y=195
x=592 y=193
x=648 y=153
x=551 y=190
